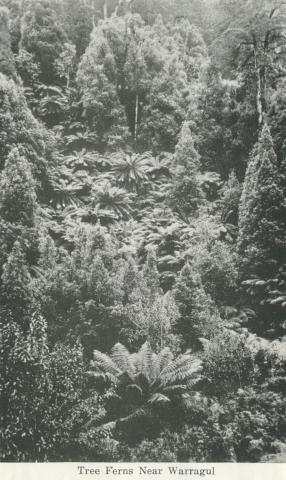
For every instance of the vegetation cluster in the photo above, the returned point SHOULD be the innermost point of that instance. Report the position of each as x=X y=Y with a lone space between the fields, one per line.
x=142 y=230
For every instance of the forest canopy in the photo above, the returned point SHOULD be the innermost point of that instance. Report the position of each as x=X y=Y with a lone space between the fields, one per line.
x=142 y=230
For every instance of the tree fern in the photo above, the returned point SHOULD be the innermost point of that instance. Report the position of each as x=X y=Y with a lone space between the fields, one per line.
x=145 y=380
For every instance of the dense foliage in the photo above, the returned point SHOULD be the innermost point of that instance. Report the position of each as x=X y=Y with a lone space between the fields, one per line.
x=142 y=230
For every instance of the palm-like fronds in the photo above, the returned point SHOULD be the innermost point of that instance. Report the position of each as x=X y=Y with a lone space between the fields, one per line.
x=143 y=361
x=182 y=369
x=52 y=100
x=121 y=357
x=111 y=200
x=160 y=166
x=162 y=360
x=144 y=379
x=104 y=363
x=159 y=398
x=130 y=170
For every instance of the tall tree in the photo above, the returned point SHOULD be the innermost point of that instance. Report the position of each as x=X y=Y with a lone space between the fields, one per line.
x=186 y=194
x=43 y=36
x=151 y=275
x=98 y=81
x=262 y=214
x=18 y=209
x=16 y=291
x=261 y=240
x=255 y=32
x=77 y=18
x=134 y=76
x=18 y=127
x=224 y=123
x=198 y=316
x=17 y=194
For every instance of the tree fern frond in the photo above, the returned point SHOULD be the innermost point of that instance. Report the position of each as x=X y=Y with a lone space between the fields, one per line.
x=142 y=382
x=104 y=363
x=96 y=420
x=175 y=389
x=110 y=426
x=139 y=413
x=187 y=401
x=181 y=375
x=101 y=378
x=134 y=394
x=121 y=357
x=193 y=381
x=159 y=398
x=144 y=361
x=125 y=379
x=181 y=369
x=164 y=358
x=174 y=366
x=148 y=357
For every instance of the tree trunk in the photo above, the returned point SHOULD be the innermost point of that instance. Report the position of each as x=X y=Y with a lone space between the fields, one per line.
x=105 y=11
x=22 y=14
x=259 y=98
x=136 y=116
x=259 y=90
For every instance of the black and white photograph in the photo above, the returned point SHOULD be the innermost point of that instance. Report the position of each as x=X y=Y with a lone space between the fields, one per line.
x=142 y=233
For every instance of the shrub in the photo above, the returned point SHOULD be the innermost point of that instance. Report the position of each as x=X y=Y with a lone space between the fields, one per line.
x=44 y=395
x=228 y=363
x=215 y=262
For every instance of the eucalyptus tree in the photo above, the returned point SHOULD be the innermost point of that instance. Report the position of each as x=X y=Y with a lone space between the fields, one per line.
x=133 y=79
x=255 y=32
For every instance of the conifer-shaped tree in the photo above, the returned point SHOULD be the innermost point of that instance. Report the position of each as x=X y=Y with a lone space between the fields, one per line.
x=132 y=281
x=186 y=194
x=18 y=203
x=18 y=208
x=262 y=238
x=230 y=198
x=151 y=275
x=18 y=127
x=16 y=293
x=167 y=102
x=198 y=316
x=262 y=213
x=99 y=84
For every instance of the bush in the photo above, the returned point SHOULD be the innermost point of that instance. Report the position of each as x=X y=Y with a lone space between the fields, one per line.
x=257 y=420
x=44 y=395
x=215 y=262
x=208 y=442
x=228 y=363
